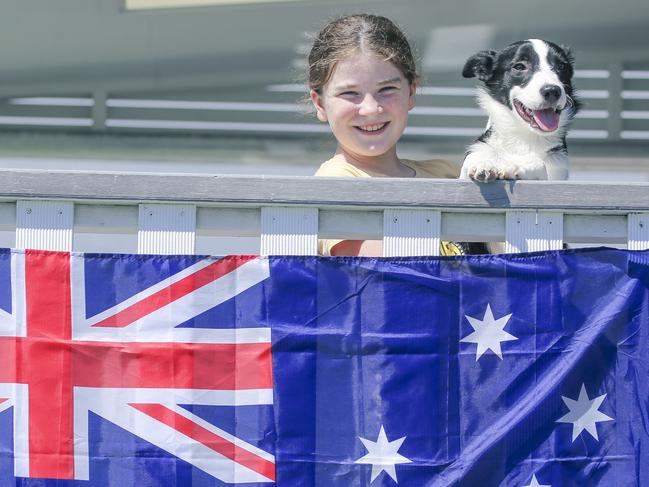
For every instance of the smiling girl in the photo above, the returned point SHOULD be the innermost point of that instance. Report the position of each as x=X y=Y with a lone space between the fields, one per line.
x=362 y=81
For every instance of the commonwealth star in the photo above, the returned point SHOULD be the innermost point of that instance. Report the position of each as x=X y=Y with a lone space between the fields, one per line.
x=488 y=333
x=584 y=413
x=382 y=455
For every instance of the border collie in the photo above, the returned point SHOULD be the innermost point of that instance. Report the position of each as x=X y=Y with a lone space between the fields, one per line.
x=529 y=98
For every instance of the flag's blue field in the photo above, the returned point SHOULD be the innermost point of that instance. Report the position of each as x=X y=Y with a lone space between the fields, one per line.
x=519 y=370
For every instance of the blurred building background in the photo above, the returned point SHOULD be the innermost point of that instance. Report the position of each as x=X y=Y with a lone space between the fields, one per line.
x=216 y=86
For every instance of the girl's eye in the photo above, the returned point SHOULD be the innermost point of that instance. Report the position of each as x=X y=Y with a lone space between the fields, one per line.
x=520 y=66
x=388 y=88
x=348 y=93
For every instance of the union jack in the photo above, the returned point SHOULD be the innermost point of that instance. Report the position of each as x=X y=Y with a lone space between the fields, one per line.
x=130 y=364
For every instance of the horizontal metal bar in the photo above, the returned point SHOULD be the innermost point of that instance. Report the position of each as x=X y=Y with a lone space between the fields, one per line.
x=592 y=73
x=47 y=121
x=635 y=94
x=636 y=114
x=204 y=105
x=258 y=191
x=53 y=101
x=635 y=74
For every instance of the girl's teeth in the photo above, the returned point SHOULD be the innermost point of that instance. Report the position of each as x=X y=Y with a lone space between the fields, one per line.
x=372 y=128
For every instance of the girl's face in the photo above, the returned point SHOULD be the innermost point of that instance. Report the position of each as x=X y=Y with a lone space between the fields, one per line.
x=366 y=102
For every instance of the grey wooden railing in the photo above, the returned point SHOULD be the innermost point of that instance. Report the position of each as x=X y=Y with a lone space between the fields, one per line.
x=43 y=209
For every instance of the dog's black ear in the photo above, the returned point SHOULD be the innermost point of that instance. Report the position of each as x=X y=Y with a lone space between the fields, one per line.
x=480 y=65
x=568 y=52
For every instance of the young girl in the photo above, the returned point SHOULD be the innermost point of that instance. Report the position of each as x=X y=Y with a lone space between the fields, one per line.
x=362 y=81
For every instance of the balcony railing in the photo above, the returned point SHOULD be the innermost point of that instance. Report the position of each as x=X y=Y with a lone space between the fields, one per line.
x=165 y=214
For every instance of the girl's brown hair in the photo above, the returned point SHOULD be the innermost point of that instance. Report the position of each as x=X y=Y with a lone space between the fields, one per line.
x=363 y=32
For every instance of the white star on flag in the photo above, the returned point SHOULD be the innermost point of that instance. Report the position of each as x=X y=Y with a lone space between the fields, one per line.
x=382 y=455
x=584 y=413
x=535 y=483
x=488 y=333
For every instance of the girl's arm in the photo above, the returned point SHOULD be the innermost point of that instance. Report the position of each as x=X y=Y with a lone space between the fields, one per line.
x=361 y=248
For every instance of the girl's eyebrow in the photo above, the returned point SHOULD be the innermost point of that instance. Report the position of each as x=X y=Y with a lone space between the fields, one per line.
x=350 y=86
x=390 y=81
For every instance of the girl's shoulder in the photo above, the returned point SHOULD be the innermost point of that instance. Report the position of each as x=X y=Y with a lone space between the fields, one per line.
x=434 y=168
x=338 y=167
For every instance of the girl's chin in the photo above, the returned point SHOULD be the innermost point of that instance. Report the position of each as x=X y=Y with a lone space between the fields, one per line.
x=367 y=151
x=377 y=148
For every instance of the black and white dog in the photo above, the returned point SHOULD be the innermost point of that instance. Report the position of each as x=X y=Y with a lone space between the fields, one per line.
x=528 y=96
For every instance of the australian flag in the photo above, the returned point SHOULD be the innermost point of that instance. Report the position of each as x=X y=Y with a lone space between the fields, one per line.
x=525 y=370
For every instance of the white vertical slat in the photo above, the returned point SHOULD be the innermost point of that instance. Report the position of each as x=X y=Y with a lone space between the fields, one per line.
x=44 y=225
x=411 y=232
x=531 y=231
x=638 y=231
x=289 y=231
x=166 y=229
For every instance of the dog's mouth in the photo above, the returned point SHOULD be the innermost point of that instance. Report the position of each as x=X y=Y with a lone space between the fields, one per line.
x=545 y=120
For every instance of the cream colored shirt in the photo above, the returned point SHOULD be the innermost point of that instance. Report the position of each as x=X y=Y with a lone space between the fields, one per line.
x=338 y=167
x=435 y=168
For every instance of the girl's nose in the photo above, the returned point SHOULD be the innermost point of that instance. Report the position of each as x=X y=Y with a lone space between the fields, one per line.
x=369 y=106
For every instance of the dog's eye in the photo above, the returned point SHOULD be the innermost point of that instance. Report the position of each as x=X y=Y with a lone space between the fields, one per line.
x=520 y=66
x=561 y=65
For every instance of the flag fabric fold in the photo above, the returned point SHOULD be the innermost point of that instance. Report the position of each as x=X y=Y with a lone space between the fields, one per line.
x=513 y=370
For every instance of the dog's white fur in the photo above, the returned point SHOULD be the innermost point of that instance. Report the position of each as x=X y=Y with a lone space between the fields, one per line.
x=514 y=149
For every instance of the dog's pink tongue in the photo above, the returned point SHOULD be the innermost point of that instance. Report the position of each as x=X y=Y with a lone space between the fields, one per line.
x=547 y=120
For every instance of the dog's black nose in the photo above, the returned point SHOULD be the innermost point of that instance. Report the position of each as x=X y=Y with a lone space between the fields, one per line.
x=551 y=93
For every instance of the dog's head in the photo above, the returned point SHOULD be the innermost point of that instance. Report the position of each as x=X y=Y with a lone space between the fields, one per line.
x=533 y=79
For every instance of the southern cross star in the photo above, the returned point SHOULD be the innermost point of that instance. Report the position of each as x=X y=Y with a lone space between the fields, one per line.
x=535 y=483
x=382 y=455
x=584 y=413
x=488 y=333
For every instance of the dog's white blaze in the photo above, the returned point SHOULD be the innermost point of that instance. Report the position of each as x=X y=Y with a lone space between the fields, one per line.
x=530 y=95
x=545 y=72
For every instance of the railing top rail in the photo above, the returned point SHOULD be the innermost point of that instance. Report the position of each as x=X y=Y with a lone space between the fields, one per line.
x=255 y=191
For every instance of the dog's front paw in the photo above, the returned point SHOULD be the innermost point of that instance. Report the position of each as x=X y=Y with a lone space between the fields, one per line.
x=482 y=172
x=511 y=171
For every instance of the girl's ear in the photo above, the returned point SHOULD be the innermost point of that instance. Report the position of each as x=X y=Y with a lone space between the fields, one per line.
x=413 y=92
x=316 y=99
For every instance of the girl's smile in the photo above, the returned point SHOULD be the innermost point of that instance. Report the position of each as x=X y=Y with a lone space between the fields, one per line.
x=376 y=129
